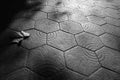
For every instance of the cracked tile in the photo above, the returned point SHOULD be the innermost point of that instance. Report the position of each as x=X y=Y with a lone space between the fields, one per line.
x=61 y=40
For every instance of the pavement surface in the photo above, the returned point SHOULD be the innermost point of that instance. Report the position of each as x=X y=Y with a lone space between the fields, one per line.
x=69 y=40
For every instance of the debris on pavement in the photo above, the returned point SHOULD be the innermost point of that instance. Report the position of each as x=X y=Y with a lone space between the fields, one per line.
x=20 y=36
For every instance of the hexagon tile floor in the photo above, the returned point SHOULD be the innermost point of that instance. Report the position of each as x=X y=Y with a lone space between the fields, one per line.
x=69 y=40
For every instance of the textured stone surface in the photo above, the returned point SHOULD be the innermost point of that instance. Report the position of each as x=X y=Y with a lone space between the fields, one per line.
x=109 y=58
x=81 y=60
x=113 y=21
x=111 y=41
x=46 y=25
x=112 y=13
x=11 y=59
x=111 y=29
x=61 y=40
x=36 y=39
x=69 y=40
x=96 y=20
x=24 y=74
x=71 y=27
x=46 y=61
x=89 y=41
x=93 y=28
x=104 y=74
x=22 y=24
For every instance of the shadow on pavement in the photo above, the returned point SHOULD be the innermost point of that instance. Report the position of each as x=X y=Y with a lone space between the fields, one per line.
x=10 y=8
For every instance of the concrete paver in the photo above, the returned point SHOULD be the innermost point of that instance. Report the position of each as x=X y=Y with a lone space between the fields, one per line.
x=109 y=58
x=36 y=39
x=67 y=74
x=81 y=60
x=111 y=13
x=39 y=15
x=78 y=16
x=22 y=24
x=111 y=29
x=93 y=28
x=104 y=74
x=12 y=59
x=69 y=40
x=111 y=41
x=89 y=41
x=71 y=26
x=46 y=25
x=58 y=16
x=105 y=4
x=61 y=40
x=96 y=20
x=46 y=61
x=113 y=21
x=24 y=74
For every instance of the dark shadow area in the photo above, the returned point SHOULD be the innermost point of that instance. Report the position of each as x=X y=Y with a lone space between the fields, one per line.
x=12 y=57
x=10 y=8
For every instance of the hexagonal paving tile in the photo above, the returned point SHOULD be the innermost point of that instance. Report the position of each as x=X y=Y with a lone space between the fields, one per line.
x=89 y=41
x=113 y=21
x=46 y=61
x=78 y=16
x=96 y=20
x=58 y=16
x=11 y=58
x=112 y=13
x=93 y=28
x=85 y=9
x=23 y=74
x=39 y=15
x=97 y=11
x=72 y=27
x=81 y=60
x=47 y=8
x=104 y=74
x=111 y=29
x=105 y=4
x=51 y=3
x=46 y=25
x=109 y=58
x=36 y=39
x=22 y=24
x=61 y=40
x=111 y=41
x=66 y=74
